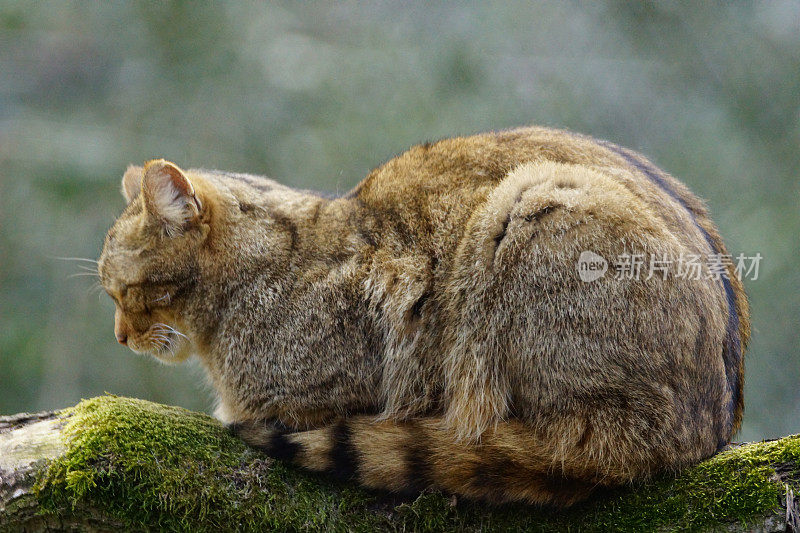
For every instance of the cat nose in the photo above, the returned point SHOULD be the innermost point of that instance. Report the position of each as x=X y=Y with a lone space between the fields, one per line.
x=120 y=327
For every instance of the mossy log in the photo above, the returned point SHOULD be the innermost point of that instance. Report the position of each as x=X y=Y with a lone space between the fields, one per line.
x=114 y=463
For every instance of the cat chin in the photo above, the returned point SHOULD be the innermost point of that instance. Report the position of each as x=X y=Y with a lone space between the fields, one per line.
x=169 y=358
x=179 y=355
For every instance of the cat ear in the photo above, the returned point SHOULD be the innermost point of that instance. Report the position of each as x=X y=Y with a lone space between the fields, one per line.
x=132 y=182
x=169 y=195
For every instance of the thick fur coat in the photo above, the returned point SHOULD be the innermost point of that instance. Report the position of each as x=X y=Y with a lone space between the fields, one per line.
x=431 y=327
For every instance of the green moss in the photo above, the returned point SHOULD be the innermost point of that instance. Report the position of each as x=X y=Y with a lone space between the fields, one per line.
x=161 y=467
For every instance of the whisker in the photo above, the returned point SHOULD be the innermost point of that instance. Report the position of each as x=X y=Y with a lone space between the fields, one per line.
x=87 y=269
x=160 y=334
x=92 y=274
x=176 y=332
x=168 y=345
x=160 y=345
x=77 y=259
x=95 y=287
x=173 y=330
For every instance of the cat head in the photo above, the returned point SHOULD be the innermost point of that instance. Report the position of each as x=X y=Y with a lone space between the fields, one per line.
x=149 y=263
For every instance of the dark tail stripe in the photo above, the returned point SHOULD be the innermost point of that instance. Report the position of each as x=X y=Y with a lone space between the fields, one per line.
x=343 y=455
x=732 y=352
x=418 y=451
x=282 y=448
x=276 y=445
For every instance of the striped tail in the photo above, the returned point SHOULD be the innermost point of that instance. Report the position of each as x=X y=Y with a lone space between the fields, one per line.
x=407 y=457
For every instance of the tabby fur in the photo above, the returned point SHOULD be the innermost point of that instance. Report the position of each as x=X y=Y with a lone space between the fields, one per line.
x=430 y=327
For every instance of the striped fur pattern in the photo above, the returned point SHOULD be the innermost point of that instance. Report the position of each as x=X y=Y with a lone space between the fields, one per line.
x=430 y=328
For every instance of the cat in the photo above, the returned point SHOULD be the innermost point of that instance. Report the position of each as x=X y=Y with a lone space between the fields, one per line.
x=438 y=325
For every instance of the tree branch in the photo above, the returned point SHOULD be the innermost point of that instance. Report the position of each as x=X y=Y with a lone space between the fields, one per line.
x=116 y=463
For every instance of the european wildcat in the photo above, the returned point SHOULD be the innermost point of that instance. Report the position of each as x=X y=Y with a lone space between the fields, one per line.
x=431 y=327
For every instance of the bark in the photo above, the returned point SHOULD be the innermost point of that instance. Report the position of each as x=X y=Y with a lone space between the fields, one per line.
x=28 y=442
x=101 y=467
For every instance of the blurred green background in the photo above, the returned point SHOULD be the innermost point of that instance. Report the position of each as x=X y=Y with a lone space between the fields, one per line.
x=315 y=95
